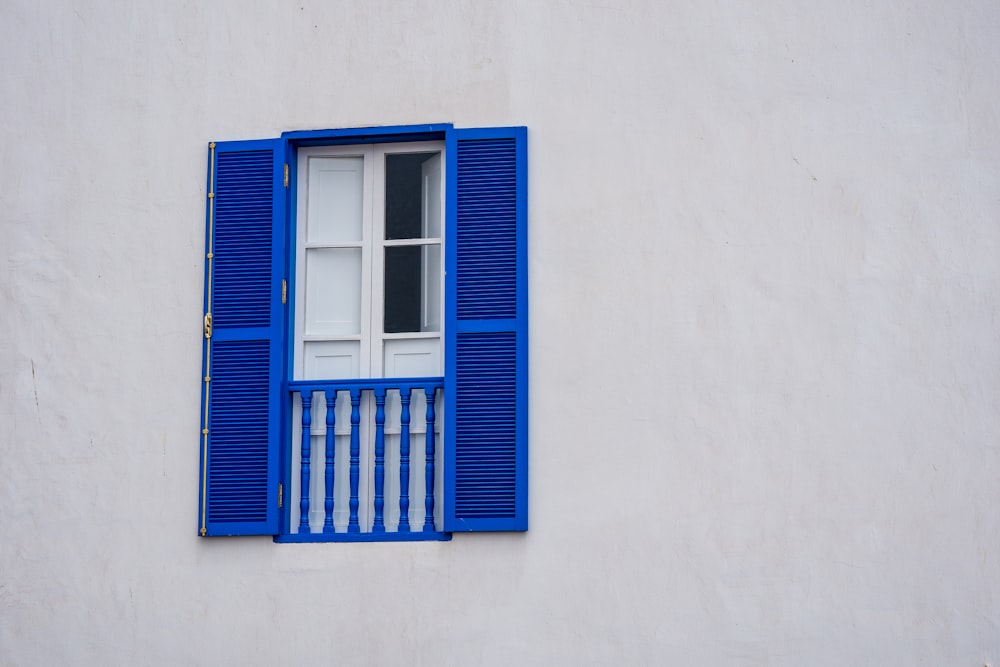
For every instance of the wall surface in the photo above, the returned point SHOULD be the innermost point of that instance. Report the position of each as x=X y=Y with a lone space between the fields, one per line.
x=765 y=314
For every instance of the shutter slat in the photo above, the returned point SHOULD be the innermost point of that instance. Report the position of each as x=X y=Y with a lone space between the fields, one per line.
x=239 y=458
x=486 y=231
x=244 y=204
x=486 y=371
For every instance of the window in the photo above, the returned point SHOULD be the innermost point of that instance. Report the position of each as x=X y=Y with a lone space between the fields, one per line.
x=366 y=263
x=369 y=221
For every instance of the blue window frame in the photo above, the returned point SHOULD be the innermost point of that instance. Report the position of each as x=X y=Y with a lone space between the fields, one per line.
x=246 y=431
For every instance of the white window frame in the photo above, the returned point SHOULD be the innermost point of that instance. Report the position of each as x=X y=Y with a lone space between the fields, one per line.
x=372 y=338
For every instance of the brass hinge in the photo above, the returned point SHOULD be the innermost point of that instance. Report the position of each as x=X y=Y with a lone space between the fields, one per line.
x=208 y=325
x=284 y=291
x=286 y=174
x=281 y=492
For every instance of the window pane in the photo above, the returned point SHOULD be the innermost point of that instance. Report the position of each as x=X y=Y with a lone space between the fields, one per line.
x=333 y=291
x=402 y=289
x=412 y=288
x=412 y=195
x=336 y=199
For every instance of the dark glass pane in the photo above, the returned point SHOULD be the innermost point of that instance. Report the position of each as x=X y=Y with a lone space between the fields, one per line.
x=403 y=194
x=402 y=289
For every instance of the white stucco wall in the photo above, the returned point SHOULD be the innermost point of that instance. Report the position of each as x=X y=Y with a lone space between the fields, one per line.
x=765 y=367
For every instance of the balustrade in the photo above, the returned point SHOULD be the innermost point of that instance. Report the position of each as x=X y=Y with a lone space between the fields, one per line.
x=378 y=443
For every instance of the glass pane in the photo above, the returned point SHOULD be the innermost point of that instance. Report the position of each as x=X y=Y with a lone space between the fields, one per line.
x=333 y=291
x=336 y=199
x=402 y=289
x=412 y=289
x=412 y=195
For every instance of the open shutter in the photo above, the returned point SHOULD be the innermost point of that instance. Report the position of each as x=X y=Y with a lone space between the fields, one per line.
x=242 y=354
x=486 y=331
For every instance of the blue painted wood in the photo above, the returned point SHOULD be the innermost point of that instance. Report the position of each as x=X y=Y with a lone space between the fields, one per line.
x=378 y=525
x=304 y=463
x=286 y=462
x=298 y=538
x=485 y=326
x=242 y=365
x=379 y=388
x=353 y=526
x=486 y=329
x=331 y=450
x=365 y=383
x=429 y=394
x=404 y=460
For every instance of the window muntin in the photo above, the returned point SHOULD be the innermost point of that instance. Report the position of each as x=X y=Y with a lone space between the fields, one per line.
x=369 y=261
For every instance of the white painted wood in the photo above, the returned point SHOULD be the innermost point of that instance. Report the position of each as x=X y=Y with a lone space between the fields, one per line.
x=412 y=357
x=333 y=233
x=332 y=359
x=335 y=201
x=432 y=176
x=431 y=288
x=432 y=210
x=339 y=282
x=432 y=222
x=333 y=291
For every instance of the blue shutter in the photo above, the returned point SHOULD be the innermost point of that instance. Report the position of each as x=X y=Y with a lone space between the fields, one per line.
x=486 y=331
x=242 y=354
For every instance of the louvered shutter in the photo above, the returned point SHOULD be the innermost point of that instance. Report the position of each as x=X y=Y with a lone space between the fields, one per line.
x=242 y=353
x=486 y=331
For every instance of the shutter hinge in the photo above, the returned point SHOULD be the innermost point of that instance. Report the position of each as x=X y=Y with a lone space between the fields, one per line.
x=284 y=291
x=281 y=490
x=286 y=174
x=208 y=325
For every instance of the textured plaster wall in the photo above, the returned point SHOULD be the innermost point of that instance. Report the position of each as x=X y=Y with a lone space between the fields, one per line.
x=765 y=346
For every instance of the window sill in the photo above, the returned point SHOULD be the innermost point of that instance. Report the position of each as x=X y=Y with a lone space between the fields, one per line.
x=299 y=538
